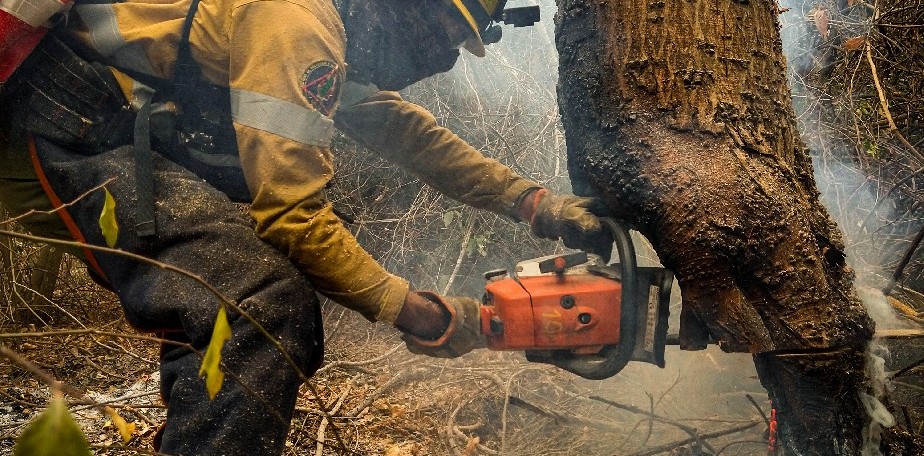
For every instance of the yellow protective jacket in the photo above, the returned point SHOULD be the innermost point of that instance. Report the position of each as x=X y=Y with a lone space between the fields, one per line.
x=283 y=62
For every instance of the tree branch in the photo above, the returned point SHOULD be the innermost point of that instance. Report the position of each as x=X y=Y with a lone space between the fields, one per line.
x=710 y=435
x=885 y=105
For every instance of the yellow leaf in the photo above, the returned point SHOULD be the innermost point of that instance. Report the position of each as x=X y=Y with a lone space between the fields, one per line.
x=107 y=220
x=125 y=429
x=210 y=362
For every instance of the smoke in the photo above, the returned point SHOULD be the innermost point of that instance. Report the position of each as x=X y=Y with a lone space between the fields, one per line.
x=872 y=229
x=880 y=385
x=852 y=199
x=861 y=215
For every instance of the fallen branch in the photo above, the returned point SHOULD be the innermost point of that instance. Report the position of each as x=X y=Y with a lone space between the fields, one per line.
x=900 y=270
x=907 y=369
x=710 y=435
x=453 y=430
x=759 y=410
x=740 y=442
x=322 y=428
x=909 y=386
x=692 y=431
x=561 y=417
x=468 y=441
x=899 y=334
x=354 y=364
x=112 y=401
x=651 y=416
x=405 y=375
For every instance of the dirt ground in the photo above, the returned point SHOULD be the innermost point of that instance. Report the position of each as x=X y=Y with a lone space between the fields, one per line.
x=386 y=401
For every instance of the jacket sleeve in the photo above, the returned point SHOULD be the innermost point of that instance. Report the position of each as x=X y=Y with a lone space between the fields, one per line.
x=408 y=135
x=284 y=83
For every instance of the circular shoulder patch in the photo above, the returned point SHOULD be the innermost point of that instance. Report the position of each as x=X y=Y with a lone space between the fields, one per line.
x=321 y=86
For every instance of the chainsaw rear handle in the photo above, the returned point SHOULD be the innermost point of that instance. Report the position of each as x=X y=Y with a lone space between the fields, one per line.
x=613 y=358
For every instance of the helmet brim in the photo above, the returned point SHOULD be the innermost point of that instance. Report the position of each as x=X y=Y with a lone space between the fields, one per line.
x=475 y=45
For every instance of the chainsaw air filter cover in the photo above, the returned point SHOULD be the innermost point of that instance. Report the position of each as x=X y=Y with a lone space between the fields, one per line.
x=551 y=304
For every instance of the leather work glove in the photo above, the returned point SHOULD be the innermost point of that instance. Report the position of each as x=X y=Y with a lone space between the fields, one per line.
x=462 y=333
x=573 y=219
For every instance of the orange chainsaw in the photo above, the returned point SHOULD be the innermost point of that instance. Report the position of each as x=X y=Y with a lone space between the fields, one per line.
x=578 y=313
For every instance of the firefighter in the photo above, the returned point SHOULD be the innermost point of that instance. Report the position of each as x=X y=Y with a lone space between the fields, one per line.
x=179 y=108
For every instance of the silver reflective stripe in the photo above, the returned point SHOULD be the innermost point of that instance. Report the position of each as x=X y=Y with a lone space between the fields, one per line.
x=141 y=95
x=227 y=160
x=281 y=117
x=354 y=92
x=105 y=38
x=32 y=12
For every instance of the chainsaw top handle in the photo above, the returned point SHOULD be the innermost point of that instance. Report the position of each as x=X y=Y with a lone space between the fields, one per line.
x=614 y=358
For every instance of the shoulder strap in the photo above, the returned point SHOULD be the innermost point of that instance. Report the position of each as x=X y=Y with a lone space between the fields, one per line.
x=186 y=75
x=186 y=71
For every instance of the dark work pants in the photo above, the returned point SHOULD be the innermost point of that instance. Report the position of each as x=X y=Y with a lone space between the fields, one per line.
x=201 y=231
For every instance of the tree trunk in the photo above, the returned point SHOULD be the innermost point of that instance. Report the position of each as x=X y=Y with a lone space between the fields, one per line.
x=679 y=116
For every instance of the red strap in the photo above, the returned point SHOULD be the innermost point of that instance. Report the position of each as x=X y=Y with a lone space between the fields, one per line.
x=61 y=210
x=530 y=204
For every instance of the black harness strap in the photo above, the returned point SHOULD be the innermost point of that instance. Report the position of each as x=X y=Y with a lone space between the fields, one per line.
x=186 y=72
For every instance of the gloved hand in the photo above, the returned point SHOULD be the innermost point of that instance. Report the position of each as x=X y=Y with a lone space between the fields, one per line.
x=462 y=333
x=573 y=219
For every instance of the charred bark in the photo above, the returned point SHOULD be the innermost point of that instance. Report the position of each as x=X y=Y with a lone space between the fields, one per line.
x=679 y=115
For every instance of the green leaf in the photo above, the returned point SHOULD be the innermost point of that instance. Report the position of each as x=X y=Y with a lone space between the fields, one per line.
x=478 y=244
x=53 y=433
x=210 y=362
x=872 y=149
x=471 y=247
x=107 y=220
x=483 y=242
x=449 y=217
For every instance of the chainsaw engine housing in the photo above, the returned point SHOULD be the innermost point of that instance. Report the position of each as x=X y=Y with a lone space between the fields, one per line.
x=578 y=313
x=577 y=310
